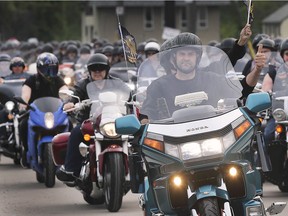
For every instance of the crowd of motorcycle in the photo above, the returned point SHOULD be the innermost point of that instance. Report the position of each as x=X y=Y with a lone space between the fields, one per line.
x=199 y=160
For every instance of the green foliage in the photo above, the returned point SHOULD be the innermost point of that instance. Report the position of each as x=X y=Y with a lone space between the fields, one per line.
x=46 y=20
x=234 y=16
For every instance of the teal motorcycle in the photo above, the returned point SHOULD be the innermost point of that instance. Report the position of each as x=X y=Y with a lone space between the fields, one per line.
x=194 y=155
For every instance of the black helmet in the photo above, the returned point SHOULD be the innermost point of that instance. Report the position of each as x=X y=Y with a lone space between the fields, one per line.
x=258 y=38
x=98 y=61
x=277 y=42
x=227 y=44
x=71 y=48
x=283 y=47
x=187 y=39
x=5 y=57
x=47 y=65
x=47 y=48
x=108 y=49
x=85 y=50
x=267 y=43
x=17 y=61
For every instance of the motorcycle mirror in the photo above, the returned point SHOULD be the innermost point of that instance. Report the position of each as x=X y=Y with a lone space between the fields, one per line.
x=63 y=93
x=20 y=100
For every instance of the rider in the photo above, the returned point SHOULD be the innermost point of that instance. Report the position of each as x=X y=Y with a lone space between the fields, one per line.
x=98 y=66
x=187 y=75
x=45 y=83
x=267 y=86
x=17 y=66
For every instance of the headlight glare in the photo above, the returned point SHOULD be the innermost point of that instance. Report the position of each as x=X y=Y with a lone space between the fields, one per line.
x=191 y=150
x=228 y=140
x=109 y=130
x=9 y=105
x=212 y=146
x=49 y=120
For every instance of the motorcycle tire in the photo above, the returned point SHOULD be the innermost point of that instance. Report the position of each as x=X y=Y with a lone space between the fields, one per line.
x=208 y=207
x=113 y=181
x=49 y=167
x=93 y=201
x=39 y=177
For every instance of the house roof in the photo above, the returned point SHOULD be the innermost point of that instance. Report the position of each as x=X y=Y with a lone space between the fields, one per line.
x=277 y=16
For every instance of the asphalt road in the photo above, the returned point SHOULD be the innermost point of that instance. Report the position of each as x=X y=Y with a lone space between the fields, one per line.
x=22 y=195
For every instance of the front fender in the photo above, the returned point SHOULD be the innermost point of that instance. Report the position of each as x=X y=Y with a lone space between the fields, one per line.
x=44 y=140
x=112 y=149
x=210 y=191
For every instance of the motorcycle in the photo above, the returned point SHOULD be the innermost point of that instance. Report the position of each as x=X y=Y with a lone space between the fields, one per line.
x=277 y=150
x=195 y=156
x=10 y=142
x=104 y=175
x=46 y=119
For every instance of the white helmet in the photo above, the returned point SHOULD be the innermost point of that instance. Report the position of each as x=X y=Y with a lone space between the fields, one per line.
x=152 y=46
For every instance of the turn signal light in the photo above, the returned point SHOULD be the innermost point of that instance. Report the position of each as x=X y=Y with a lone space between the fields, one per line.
x=279 y=129
x=241 y=129
x=155 y=144
x=87 y=137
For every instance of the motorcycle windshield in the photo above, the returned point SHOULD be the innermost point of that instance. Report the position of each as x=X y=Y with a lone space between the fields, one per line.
x=280 y=89
x=109 y=98
x=187 y=83
x=47 y=104
x=9 y=89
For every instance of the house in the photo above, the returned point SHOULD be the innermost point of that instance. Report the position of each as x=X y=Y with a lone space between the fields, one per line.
x=276 y=24
x=146 y=19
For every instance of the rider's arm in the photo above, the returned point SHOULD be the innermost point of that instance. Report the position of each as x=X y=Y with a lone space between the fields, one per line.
x=267 y=84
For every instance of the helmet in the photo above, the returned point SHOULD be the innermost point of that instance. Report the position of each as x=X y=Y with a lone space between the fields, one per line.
x=108 y=49
x=47 y=48
x=227 y=44
x=17 y=61
x=152 y=46
x=187 y=38
x=257 y=38
x=212 y=43
x=47 y=65
x=267 y=43
x=72 y=49
x=141 y=46
x=5 y=57
x=278 y=42
x=85 y=50
x=99 y=61
x=283 y=47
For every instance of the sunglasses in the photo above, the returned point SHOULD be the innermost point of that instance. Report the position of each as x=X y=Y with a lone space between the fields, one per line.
x=286 y=53
x=97 y=67
x=17 y=64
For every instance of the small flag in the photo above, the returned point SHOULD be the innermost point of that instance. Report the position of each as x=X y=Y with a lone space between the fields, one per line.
x=129 y=43
x=250 y=16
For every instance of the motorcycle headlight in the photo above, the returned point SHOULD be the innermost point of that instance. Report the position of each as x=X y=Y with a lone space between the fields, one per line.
x=49 y=120
x=9 y=105
x=279 y=114
x=202 y=148
x=68 y=80
x=109 y=130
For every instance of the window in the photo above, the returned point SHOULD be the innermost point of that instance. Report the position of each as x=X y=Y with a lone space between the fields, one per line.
x=148 y=18
x=183 y=17
x=202 y=18
x=89 y=10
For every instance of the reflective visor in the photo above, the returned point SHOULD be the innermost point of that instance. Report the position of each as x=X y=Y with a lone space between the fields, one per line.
x=97 y=67
x=49 y=71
